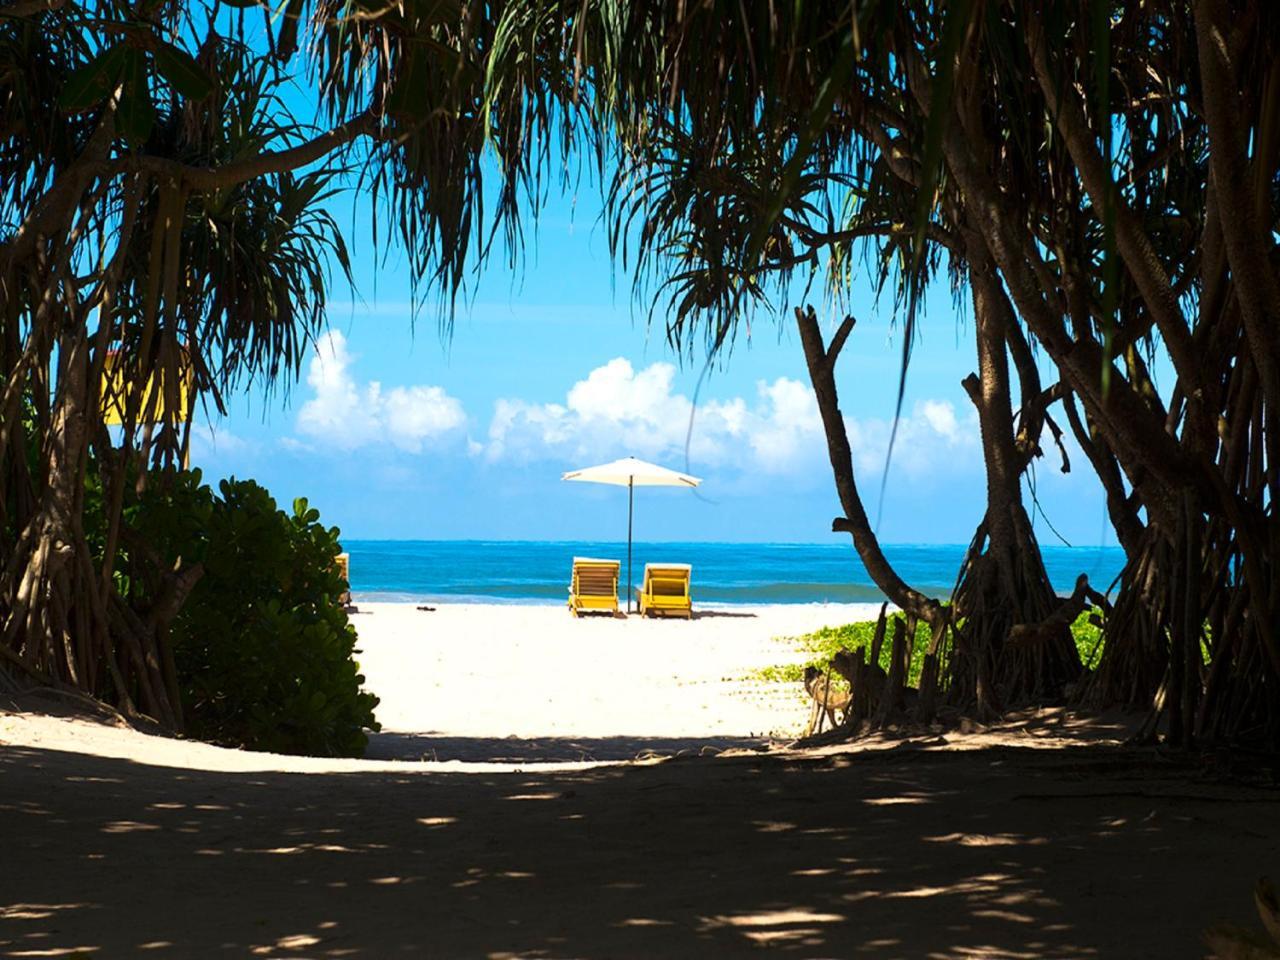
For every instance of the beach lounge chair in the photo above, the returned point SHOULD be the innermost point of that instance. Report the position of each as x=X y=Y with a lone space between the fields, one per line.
x=594 y=586
x=666 y=590
x=342 y=562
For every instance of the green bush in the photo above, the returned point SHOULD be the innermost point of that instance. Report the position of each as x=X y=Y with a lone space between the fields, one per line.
x=1087 y=633
x=823 y=644
x=263 y=648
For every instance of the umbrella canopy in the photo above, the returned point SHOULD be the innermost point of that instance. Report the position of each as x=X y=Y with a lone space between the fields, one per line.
x=631 y=473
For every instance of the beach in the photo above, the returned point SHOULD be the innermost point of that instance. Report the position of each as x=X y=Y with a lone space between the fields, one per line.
x=529 y=681
x=494 y=687
x=519 y=823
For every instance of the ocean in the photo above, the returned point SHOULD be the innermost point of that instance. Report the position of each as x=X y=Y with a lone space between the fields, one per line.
x=723 y=573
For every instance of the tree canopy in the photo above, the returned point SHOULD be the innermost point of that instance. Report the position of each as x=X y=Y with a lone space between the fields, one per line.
x=1099 y=180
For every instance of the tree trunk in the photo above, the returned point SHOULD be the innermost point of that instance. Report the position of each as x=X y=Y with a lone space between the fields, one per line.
x=1003 y=581
x=821 y=362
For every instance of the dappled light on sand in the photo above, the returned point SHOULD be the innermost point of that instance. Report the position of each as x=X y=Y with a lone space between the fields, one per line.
x=907 y=852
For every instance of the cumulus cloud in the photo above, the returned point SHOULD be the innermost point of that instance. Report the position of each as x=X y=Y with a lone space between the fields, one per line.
x=209 y=439
x=932 y=437
x=347 y=414
x=619 y=410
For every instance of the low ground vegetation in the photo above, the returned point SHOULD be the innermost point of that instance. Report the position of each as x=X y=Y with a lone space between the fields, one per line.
x=820 y=646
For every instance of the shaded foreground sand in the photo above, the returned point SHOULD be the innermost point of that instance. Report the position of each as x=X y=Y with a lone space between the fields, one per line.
x=1011 y=842
x=910 y=852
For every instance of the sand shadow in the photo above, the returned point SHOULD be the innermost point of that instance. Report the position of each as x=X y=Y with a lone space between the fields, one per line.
x=697 y=615
x=993 y=853
x=553 y=749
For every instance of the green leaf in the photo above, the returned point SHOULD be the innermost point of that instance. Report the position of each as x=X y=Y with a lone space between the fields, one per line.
x=953 y=30
x=137 y=115
x=408 y=96
x=425 y=13
x=183 y=73
x=834 y=83
x=940 y=109
x=95 y=80
x=1100 y=30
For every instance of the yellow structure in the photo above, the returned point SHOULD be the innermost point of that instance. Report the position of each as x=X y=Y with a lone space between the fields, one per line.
x=666 y=589
x=156 y=400
x=594 y=586
x=343 y=562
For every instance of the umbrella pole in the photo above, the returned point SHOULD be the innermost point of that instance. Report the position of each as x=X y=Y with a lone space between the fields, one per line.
x=631 y=494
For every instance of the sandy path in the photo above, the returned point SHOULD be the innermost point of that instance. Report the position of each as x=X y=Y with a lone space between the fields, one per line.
x=991 y=853
x=458 y=681
x=1010 y=843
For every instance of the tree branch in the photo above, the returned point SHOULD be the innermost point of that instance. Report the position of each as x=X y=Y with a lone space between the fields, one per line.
x=1247 y=243
x=1123 y=513
x=819 y=238
x=278 y=161
x=820 y=361
x=1132 y=243
x=1056 y=431
x=1029 y=282
x=1032 y=417
x=839 y=338
x=51 y=214
x=30 y=8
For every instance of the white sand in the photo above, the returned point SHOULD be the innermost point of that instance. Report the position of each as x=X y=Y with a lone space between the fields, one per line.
x=507 y=686
x=492 y=670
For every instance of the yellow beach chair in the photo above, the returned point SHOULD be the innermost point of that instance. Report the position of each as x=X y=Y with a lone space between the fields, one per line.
x=594 y=586
x=666 y=589
x=343 y=564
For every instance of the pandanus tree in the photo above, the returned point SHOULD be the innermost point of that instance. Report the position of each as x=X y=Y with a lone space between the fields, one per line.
x=1151 y=238
x=1103 y=179
x=164 y=218
x=119 y=273
x=1107 y=218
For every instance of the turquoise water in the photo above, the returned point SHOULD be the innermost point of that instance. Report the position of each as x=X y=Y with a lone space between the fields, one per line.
x=538 y=572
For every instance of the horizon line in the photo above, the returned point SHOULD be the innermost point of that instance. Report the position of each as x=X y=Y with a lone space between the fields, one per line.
x=717 y=543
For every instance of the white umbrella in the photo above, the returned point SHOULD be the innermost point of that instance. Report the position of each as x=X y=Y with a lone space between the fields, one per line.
x=631 y=473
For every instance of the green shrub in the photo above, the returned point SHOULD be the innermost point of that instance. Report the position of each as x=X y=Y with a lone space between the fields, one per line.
x=1087 y=632
x=263 y=648
x=823 y=644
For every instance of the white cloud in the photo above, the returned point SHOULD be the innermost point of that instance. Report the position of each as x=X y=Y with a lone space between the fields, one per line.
x=941 y=418
x=346 y=414
x=618 y=410
x=931 y=438
x=294 y=445
x=791 y=431
x=208 y=439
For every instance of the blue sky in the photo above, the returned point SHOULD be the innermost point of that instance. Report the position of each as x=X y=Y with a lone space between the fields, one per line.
x=395 y=432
